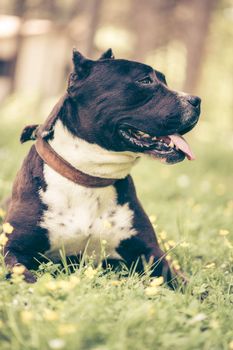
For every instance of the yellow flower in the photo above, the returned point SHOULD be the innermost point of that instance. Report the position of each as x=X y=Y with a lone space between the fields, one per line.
x=7 y=228
x=152 y=218
x=18 y=269
x=224 y=232
x=214 y=324
x=90 y=272
x=149 y=291
x=171 y=243
x=163 y=235
x=50 y=315
x=174 y=262
x=176 y=265
x=2 y=213
x=210 y=266
x=184 y=244
x=157 y=281
x=65 y=285
x=168 y=257
x=166 y=246
x=116 y=283
x=231 y=345
x=51 y=285
x=3 y=239
x=104 y=242
x=26 y=316
x=67 y=328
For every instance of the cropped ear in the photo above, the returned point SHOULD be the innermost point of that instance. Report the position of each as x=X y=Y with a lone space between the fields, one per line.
x=82 y=64
x=107 y=55
x=29 y=133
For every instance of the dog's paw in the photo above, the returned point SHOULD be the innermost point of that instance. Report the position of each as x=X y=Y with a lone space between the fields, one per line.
x=179 y=279
x=29 y=277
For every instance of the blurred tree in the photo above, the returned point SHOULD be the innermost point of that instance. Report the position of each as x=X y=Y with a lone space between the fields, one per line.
x=95 y=10
x=19 y=7
x=194 y=32
x=138 y=29
x=152 y=22
x=158 y=22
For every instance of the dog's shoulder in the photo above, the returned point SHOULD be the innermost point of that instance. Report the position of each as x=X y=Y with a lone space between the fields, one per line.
x=26 y=208
x=30 y=177
x=29 y=180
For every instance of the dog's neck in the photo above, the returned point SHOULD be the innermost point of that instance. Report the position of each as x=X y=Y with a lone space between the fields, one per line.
x=90 y=158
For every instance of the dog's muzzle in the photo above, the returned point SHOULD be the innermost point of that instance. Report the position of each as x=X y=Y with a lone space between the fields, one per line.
x=169 y=148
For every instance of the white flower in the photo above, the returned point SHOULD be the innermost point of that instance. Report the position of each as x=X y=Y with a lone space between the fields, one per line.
x=198 y=318
x=56 y=343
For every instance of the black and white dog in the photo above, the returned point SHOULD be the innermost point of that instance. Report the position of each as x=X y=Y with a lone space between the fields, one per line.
x=114 y=112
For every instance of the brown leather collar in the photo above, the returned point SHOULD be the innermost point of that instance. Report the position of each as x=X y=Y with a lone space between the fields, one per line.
x=61 y=166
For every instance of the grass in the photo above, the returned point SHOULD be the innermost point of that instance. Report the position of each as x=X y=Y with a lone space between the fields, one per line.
x=192 y=206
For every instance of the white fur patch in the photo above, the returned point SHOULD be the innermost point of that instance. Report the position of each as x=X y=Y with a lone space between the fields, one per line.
x=91 y=158
x=79 y=218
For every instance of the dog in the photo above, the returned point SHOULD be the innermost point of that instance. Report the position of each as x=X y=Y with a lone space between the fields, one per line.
x=74 y=189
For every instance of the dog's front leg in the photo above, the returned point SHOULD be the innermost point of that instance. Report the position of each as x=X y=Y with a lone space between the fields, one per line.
x=144 y=243
x=12 y=259
x=137 y=253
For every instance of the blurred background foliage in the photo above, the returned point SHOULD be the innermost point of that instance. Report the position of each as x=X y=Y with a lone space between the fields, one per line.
x=189 y=40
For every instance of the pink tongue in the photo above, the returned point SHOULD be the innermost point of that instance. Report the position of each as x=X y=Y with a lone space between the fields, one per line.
x=180 y=143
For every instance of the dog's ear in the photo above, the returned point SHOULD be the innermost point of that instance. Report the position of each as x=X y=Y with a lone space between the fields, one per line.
x=82 y=65
x=29 y=133
x=107 y=55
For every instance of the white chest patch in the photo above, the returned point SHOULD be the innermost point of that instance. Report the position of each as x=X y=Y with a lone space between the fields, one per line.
x=79 y=218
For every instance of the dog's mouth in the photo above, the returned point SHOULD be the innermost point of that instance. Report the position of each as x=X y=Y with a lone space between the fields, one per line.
x=170 y=148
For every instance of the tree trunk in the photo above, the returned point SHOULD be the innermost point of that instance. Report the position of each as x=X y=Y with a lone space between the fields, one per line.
x=195 y=35
x=95 y=9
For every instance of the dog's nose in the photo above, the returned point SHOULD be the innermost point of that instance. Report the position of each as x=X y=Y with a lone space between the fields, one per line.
x=195 y=101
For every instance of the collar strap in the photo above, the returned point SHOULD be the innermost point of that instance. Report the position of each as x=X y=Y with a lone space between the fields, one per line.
x=62 y=167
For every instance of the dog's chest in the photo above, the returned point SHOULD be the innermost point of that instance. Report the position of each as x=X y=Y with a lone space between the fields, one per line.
x=83 y=219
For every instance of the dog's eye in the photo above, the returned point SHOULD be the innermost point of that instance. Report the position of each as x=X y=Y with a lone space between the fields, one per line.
x=146 y=80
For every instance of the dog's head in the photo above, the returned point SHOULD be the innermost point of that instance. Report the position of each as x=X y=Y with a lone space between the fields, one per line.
x=123 y=105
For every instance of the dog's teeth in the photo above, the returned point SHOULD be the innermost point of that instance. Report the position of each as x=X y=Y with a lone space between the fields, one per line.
x=171 y=144
x=146 y=136
x=142 y=134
